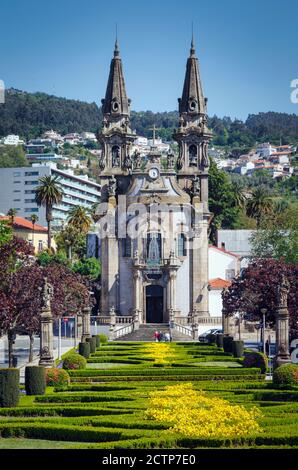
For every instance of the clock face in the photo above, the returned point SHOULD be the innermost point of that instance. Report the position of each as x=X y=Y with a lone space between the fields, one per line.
x=153 y=173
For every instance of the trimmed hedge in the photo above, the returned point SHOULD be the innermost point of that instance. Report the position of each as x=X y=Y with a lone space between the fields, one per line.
x=227 y=343
x=238 y=348
x=255 y=359
x=219 y=340
x=9 y=387
x=35 y=380
x=104 y=339
x=58 y=378
x=80 y=397
x=97 y=338
x=84 y=349
x=150 y=371
x=286 y=375
x=74 y=361
x=92 y=342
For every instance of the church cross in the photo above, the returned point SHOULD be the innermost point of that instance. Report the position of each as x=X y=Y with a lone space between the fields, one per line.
x=154 y=129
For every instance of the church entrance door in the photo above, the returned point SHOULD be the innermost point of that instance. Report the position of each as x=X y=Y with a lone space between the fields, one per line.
x=154 y=304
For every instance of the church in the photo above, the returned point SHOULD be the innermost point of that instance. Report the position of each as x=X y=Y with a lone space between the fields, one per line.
x=154 y=210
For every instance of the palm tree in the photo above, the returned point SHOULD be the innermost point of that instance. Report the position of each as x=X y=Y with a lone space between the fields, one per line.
x=259 y=204
x=239 y=194
x=79 y=218
x=12 y=213
x=34 y=219
x=47 y=194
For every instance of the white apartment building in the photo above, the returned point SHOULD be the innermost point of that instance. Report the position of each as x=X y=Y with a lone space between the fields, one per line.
x=18 y=185
x=12 y=140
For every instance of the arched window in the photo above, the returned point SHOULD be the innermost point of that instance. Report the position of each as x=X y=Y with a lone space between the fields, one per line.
x=181 y=245
x=193 y=154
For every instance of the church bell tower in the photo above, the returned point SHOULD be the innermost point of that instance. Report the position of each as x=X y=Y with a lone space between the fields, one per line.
x=193 y=134
x=116 y=137
x=193 y=137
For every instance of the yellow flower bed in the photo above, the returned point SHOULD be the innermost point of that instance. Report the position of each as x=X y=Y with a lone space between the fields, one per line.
x=162 y=353
x=193 y=414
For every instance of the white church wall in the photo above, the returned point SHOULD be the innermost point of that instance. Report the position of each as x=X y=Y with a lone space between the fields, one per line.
x=182 y=288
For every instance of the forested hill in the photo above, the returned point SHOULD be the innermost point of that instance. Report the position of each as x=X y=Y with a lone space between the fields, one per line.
x=30 y=114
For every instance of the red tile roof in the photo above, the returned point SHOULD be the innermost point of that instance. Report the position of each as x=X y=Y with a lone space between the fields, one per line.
x=21 y=223
x=219 y=283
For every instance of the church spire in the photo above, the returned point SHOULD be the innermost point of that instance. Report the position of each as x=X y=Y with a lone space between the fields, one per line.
x=192 y=101
x=116 y=103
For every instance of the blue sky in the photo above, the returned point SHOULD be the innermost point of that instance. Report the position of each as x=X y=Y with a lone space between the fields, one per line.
x=248 y=50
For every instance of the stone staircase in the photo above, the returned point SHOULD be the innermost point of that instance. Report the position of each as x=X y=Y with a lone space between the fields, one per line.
x=146 y=333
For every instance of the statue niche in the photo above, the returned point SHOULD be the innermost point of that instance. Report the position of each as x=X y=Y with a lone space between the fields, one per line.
x=193 y=155
x=115 y=156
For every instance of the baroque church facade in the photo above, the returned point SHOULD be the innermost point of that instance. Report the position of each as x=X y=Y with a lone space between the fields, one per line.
x=154 y=213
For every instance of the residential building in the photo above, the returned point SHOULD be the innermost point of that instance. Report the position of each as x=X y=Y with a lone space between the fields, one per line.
x=43 y=157
x=12 y=140
x=53 y=136
x=88 y=136
x=18 y=185
x=35 y=234
x=224 y=266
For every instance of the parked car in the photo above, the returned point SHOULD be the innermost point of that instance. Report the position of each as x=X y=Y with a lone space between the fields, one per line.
x=203 y=338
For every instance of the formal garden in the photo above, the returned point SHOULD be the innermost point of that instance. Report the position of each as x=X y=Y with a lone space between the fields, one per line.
x=125 y=395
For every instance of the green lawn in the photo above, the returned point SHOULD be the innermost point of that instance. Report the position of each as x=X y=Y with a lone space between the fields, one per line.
x=105 y=404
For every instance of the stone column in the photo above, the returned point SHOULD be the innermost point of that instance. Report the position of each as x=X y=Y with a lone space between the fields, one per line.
x=112 y=314
x=171 y=287
x=137 y=308
x=79 y=331
x=282 y=325
x=46 y=328
x=199 y=294
x=86 y=324
x=46 y=339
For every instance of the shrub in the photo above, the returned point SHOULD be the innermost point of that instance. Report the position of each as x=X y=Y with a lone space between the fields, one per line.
x=219 y=340
x=238 y=348
x=35 y=380
x=255 y=359
x=97 y=340
x=227 y=343
x=286 y=375
x=84 y=349
x=58 y=378
x=92 y=342
x=74 y=361
x=9 y=387
x=103 y=339
x=211 y=338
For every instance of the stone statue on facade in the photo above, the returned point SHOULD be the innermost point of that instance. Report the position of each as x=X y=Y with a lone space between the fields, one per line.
x=101 y=163
x=47 y=294
x=283 y=292
x=170 y=160
x=127 y=164
x=196 y=187
x=115 y=157
x=205 y=159
x=112 y=188
x=137 y=160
